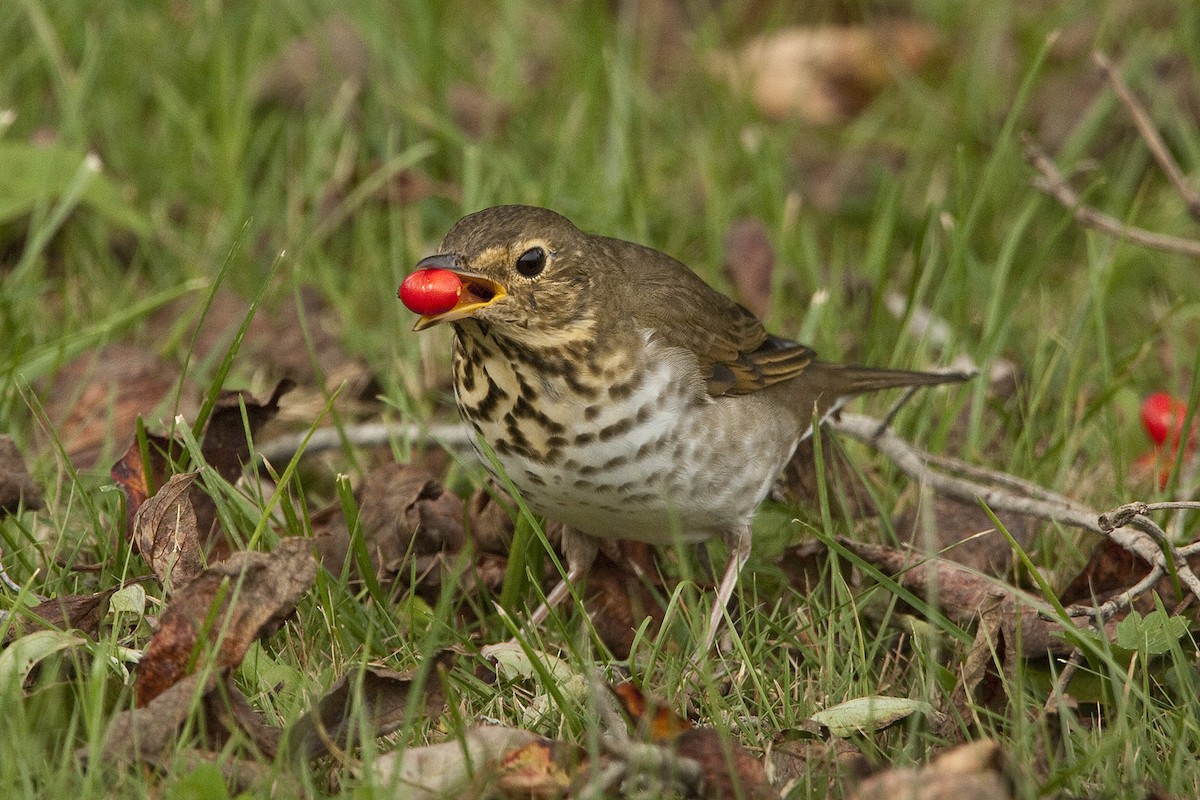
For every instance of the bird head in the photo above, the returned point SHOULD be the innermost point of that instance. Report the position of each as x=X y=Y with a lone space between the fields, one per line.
x=526 y=273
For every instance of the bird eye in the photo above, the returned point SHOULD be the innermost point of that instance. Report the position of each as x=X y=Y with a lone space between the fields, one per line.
x=531 y=262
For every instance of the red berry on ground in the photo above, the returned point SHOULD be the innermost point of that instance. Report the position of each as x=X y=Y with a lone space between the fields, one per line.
x=431 y=291
x=1162 y=416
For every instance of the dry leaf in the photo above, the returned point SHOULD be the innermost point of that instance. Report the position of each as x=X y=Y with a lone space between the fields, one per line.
x=618 y=599
x=463 y=767
x=82 y=612
x=749 y=263
x=963 y=532
x=975 y=770
x=98 y=398
x=16 y=485
x=825 y=75
x=164 y=533
x=728 y=770
x=961 y=594
x=231 y=604
x=382 y=708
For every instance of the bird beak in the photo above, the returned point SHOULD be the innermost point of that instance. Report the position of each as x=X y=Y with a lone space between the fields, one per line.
x=478 y=291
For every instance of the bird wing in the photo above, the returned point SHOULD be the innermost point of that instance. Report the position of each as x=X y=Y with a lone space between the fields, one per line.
x=735 y=353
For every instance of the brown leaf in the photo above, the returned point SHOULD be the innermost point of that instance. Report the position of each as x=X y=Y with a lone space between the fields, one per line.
x=653 y=718
x=82 y=612
x=490 y=514
x=404 y=509
x=980 y=683
x=835 y=760
x=730 y=771
x=963 y=532
x=825 y=75
x=164 y=533
x=749 y=263
x=618 y=599
x=314 y=68
x=225 y=446
x=976 y=770
x=150 y=735
x=229 y=605
x=16 y=485
x=147 y=734
x=540 y=769
x=139 y=479
x=98 y=398
x=961 y=594
x=381 y=708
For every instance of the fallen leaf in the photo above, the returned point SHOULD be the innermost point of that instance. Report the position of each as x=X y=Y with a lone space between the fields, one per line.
x=975 y=770
x=452 y=768
x=868 y=714
x=229 y=605
x=226 y=447
x=19 y=657
x=961 y=593
x=406 y=516
x=619 y=597
x=514 y=663
x=70 y=612
x=988 y=662
x=381 y=707
x=825 y=75
x=312 y=69
x=98 y=398
x=490 y=515
x=146 y=734
x=164 y=533
x=964 y=533
x=535 y=771
x=728 y=770
x=654 y=719
x=140 y=475
x=749 y=263
x=17 y=488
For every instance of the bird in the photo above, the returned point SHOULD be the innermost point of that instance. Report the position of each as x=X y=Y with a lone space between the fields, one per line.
x=621 y=394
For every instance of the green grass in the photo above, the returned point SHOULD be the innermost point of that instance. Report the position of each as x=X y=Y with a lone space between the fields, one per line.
x=199 y=184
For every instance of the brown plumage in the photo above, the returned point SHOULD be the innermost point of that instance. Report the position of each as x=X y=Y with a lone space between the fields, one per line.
x=621 y=394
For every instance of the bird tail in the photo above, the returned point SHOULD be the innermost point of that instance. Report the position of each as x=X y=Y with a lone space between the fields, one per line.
x=847 y=380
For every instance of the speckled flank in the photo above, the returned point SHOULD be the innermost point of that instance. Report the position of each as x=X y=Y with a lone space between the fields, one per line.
x=629 y=466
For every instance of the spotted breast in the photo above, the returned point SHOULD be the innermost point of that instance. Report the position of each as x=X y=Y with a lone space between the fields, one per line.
x=621 y=444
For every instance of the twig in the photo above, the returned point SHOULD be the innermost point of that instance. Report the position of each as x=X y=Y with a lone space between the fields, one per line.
x=453 y=436
x=1064 y=678
x=1127 y=526
x=8 y=582
x=1150 y=135
x=1054 y=184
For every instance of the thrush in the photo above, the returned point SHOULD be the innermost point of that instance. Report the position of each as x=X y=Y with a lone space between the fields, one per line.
x=621 y=394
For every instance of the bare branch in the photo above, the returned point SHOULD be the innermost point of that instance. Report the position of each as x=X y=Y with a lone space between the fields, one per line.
x=1054 y=184
x=1150 y=135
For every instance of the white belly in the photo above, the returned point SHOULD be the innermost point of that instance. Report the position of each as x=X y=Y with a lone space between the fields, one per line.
x=665 y=462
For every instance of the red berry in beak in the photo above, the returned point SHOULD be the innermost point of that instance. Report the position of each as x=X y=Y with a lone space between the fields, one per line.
x=429 y=292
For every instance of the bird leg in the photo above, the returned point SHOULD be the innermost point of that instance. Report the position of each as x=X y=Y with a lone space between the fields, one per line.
x=580 y=552
x=739 y=552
